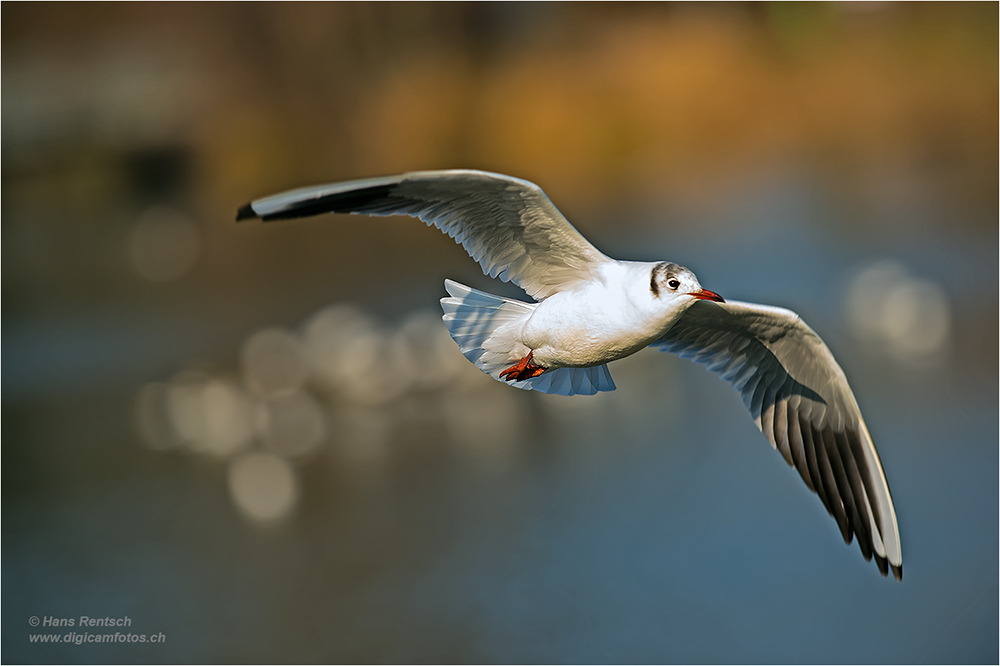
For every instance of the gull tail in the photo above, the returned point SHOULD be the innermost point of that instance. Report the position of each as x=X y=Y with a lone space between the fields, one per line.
x=486 y=327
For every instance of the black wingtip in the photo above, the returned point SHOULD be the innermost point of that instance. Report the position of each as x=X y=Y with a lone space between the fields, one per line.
x=897 y=571
x=245 y=213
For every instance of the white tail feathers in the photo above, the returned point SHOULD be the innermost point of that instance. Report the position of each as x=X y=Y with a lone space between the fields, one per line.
x=486 y=327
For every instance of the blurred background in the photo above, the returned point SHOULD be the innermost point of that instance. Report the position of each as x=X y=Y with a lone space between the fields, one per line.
x=260 y=441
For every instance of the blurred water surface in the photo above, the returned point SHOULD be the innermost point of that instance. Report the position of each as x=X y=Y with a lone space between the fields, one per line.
x=260 y=441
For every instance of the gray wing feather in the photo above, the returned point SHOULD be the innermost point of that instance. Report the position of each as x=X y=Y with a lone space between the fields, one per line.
x=506 y=224
x=799 y=397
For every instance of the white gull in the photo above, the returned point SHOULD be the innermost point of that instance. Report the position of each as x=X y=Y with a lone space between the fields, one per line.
x=592 y=309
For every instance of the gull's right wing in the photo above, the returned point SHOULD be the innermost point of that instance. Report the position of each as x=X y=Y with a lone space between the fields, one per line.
x=506 y=224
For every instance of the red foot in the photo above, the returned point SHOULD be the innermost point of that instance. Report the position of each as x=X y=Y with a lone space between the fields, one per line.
x=523 y=369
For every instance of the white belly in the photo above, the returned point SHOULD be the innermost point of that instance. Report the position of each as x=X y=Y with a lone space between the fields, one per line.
x=580 y=329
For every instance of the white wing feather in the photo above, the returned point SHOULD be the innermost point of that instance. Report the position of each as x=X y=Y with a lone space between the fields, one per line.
x=506 y=224
x=799 y=397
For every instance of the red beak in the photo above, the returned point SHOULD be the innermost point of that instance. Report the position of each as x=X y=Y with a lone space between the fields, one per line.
x=707 y=295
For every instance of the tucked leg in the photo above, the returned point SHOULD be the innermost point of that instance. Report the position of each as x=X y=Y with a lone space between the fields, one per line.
x=523 y=369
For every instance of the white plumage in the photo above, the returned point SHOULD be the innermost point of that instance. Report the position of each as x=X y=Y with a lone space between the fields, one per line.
x=592 y=310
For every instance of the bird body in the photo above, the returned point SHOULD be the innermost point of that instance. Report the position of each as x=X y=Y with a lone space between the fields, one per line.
x=599 y=321
x=591 y=310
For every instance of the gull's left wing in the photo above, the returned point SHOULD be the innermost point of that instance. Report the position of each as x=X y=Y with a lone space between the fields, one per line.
x=799 y=397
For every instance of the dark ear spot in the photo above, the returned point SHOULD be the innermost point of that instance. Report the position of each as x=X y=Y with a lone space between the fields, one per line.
x=658 y=270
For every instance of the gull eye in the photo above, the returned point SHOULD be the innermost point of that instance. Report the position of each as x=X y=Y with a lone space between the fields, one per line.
x=673 y=283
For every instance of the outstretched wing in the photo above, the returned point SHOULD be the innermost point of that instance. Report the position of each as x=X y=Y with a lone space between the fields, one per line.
x=506 y=224
x=800 y=399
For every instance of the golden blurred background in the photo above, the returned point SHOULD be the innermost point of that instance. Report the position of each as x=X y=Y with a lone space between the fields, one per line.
x=260 y=440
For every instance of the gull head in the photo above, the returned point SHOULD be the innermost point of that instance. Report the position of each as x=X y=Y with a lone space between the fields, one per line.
x=674 y=285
